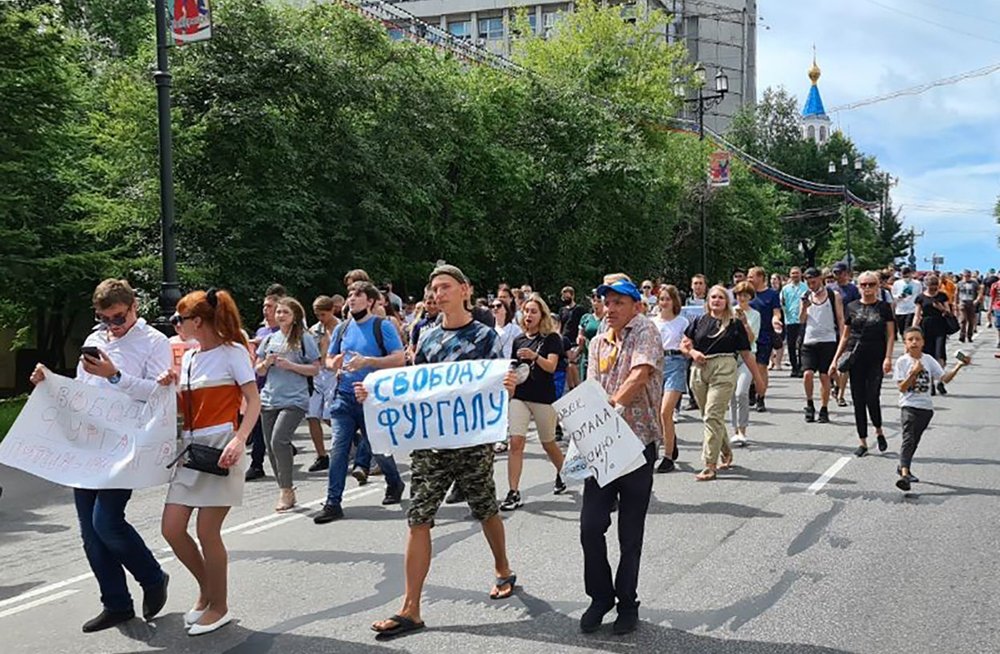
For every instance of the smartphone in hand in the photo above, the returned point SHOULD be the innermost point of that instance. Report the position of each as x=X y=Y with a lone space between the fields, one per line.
x=91 y=351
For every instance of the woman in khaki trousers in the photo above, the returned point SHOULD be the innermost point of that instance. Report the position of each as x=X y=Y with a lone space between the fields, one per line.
x=713 y=342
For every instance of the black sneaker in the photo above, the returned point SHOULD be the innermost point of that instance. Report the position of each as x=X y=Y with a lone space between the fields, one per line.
x=882 y=444
x=592 y=618
x=254 y=473
x=455 y=496
x=627 y=620
x=903 y=483
x=107 y=619
x=909 y=476
x=861 y=451
x=760 y=405
x=361 y=475
x=810 y=413
x=824 y=414
x=512 y=502
x=675 y=453
x=153 y=599
x=321 y=463
x=941 y=389
x=393 y=495
x=691 y=406
x=560 y=486
x=328 y=513
x=666 y=465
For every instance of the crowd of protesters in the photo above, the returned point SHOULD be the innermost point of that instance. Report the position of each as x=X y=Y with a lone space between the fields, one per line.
x=646 y=345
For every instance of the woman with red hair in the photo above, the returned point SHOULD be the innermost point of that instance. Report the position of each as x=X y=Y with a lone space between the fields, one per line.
x=214 y=381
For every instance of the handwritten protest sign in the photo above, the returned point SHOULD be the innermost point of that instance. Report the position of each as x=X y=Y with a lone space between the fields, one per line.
x=436 y=406
x=602 y=445
x=87 y=437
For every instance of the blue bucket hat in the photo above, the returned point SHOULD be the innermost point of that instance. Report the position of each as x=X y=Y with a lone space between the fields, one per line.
x=622 y=287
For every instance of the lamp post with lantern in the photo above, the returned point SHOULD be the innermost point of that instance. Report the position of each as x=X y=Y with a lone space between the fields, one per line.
x=845 y=169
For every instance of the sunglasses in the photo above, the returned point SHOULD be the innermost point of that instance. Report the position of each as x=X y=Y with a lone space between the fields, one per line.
x=113 y=321
x=647 y=288
x=867 y=284
x=496 y=305
x=177 y=319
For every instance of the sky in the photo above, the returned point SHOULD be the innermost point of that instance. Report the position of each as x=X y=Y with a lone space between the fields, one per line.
x=943 y=144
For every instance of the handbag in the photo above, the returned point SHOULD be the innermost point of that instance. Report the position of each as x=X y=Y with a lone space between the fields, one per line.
x=846 y=360
x=951 y=325
x=203 y=458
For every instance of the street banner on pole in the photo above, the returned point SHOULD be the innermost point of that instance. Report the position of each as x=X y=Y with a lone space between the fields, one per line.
x=438 y=406
x=83 y=436
x=602 y=445
x=190 y=21
x=718 y=168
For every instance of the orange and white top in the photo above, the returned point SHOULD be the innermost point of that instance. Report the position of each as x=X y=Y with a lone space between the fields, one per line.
x=210 y=394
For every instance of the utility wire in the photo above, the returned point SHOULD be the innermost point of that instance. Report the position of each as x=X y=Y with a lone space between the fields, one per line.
x=920 y=88
x=932 y=22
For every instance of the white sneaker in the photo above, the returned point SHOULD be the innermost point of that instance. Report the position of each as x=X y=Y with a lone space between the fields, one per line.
x=739 y=440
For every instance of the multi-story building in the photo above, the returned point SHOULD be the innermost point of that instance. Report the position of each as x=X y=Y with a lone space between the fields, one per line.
x=721 y=34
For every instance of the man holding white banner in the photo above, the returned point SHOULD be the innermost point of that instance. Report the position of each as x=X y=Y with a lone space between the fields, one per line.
x=457 y=410
x=123 y=353
x=627 y=361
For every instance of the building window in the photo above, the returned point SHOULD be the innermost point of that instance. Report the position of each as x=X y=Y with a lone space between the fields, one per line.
x=549 y=20
x=491 y=28
x=811 y=133
x=822 y=134
x=461 y=29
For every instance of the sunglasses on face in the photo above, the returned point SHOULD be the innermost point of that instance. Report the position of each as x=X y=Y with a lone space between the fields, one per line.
x=496 y=306
x=113 y=321
x=867 y=284
x=177 y=319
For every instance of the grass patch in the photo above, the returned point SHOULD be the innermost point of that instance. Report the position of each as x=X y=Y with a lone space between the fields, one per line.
x=8 y=412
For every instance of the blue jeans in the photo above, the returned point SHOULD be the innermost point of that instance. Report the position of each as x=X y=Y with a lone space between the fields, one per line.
x=346 y=418
x=113 y=546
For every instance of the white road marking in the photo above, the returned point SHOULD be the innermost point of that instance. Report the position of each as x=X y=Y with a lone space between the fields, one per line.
x=817 y=485
x=39 y=602
x=274 y=519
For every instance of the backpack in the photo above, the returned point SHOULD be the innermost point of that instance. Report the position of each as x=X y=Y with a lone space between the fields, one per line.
x=338 y=336
x=310 y=384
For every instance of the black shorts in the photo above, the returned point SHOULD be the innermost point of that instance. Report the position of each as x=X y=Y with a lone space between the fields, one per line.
x=764 y=352
x=818 y=357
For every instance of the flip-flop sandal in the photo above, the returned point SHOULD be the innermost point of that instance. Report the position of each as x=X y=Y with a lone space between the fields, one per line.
x=726 y=462
x=404 y=625
x=705 y=475
x=500 y=582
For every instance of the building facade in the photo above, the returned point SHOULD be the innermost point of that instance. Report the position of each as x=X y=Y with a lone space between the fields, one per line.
x=721 y=34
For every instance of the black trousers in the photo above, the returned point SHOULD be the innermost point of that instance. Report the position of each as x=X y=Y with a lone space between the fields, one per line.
x=866 y=388
x=903 y=322
x=792 y=338
x=632 y=492
x=914 y=422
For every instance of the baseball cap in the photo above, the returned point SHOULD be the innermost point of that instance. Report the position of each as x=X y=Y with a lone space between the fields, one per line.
x=622 y=287
x=812 y=273
x=839 y=267
x=452 y=271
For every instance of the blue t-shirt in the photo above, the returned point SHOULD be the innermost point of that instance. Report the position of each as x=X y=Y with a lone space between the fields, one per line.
x=848 y=292
x=765 y=302
x=359 y=338
x=284 y=388
x=791 y=301
x=468 y=343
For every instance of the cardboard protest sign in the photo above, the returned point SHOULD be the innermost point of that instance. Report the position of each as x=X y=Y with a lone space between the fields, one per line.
x=436 y=406
x=87 y=437
x=602 y=445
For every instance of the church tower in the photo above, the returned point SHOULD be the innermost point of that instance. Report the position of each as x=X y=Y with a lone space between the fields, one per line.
x=815 y=122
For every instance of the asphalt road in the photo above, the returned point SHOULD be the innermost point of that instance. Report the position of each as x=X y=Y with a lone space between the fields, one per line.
x=762 y=560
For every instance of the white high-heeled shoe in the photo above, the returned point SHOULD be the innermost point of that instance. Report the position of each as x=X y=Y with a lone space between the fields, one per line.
x=193 y=616
x=201 y=629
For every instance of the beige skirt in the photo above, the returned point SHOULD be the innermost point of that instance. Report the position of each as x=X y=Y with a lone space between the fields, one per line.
x=197 y=489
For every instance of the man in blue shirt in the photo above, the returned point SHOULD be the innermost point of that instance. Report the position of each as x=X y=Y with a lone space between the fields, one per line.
x=848 y=291
x=768 y=304
x=354 y=352
x=791 y=303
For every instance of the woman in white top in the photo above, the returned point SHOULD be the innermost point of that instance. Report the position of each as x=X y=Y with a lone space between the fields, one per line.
x=214 y=381
x=671 y=324
x=505 y=326
x=739 y=406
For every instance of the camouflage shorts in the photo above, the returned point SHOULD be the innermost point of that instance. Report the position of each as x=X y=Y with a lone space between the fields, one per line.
x=432 y=473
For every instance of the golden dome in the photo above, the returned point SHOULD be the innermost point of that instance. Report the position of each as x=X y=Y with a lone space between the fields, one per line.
x=814 y=71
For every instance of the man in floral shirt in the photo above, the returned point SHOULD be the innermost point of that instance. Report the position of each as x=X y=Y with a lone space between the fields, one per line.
x=627 y=361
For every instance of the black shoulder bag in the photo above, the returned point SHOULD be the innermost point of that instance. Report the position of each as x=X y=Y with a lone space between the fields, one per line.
x=203 y=458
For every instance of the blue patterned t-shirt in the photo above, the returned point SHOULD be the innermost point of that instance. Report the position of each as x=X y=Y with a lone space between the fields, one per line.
x=471 y=342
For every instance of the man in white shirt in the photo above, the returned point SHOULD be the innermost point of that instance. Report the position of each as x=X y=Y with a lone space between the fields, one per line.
x=126 y=354
x=905 y=292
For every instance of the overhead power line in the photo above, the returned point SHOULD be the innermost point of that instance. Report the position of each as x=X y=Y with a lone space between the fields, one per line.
x=932 y=22
x=920 y=88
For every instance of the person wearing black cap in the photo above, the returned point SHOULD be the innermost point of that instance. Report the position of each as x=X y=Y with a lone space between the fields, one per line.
x=627 y=361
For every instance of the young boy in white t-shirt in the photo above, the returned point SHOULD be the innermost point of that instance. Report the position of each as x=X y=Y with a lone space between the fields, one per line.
x=915 y=373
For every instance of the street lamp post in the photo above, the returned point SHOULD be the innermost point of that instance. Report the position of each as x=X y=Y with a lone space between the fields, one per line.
x=170 y=292
x=844 y=171
x=702 y=102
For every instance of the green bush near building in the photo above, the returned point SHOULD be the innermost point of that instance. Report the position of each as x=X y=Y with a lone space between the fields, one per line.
x=8 y=412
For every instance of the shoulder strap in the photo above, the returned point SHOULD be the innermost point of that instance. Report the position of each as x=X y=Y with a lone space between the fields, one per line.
x=379 y=337
x=338 y=335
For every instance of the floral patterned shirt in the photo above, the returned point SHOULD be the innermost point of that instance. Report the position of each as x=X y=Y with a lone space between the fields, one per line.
x=614 y=356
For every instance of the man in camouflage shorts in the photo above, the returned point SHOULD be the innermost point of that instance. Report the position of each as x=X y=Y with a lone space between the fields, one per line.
x=457 y=337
